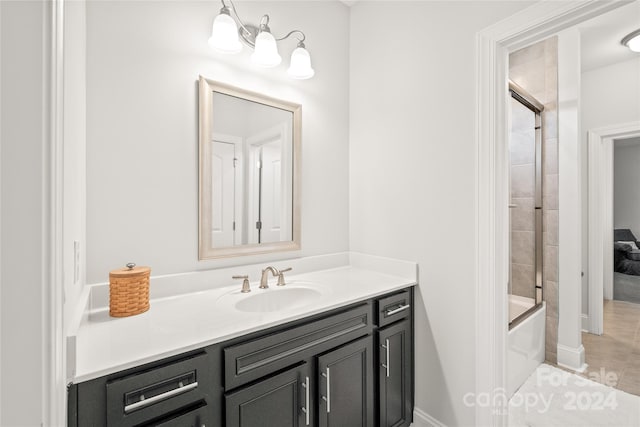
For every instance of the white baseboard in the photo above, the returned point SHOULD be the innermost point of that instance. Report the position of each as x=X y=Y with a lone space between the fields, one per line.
x=585 y=323
x=572 y=358
x=422 y=419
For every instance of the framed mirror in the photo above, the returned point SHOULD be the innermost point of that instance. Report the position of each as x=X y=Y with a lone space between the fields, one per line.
x=249 y=172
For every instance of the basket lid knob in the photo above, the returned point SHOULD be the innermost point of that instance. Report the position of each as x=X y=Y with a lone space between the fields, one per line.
x=131 y=270
x=130 y=265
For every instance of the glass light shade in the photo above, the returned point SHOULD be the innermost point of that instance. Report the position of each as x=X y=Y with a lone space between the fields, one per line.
x=224 y=35
x=634 y=43
x=266 y=51
x=300 y=67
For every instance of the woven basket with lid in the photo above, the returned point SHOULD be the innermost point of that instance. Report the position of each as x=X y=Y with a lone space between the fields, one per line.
x=129 y=291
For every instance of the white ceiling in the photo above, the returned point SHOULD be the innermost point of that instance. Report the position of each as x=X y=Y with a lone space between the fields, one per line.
x=601 y=37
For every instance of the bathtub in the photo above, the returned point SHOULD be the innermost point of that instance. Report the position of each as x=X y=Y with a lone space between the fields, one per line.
x=518 y=305
x=525 y=345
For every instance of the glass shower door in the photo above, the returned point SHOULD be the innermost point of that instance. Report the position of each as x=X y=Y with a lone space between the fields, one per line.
x=525 y=206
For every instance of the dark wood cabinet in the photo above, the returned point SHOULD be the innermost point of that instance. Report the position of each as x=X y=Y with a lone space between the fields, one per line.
x=278 y=401
x=395 y=374
x=197 y=417
x=253 y=358
x=346 y=385
x=348 y=367
x=182 y=391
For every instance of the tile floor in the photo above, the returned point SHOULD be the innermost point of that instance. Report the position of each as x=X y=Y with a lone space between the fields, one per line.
x=553 y=397
x=614 y=357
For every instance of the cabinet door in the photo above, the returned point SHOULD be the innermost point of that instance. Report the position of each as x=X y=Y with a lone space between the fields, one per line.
x=395 y=375
x=346 y=385
x=278 y=401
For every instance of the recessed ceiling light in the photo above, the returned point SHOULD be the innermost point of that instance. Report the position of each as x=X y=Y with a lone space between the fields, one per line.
x=632 y=41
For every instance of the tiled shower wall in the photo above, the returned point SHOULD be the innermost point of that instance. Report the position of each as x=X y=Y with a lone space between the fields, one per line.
x=535 y=69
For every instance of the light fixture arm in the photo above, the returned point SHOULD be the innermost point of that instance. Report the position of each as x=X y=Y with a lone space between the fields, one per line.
x=300 y=40
x=235 y=12
x=228 y=30
x=249 y=32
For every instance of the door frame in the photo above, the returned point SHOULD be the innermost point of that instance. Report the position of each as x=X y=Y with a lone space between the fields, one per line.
x=493 y=44
x=55 y=343
x=600 y=213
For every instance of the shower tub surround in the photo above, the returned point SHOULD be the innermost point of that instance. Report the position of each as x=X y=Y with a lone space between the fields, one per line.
x=192 y=310
x=535 y=68
x=525 y=346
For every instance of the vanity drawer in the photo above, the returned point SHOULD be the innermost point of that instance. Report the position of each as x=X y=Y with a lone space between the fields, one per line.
x=394 y=307
x=198 y=417
x=256 y=358
x=151 y=394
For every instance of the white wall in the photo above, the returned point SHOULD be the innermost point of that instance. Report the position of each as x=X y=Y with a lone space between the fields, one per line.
x=569 y=343
x=609 y=96
x=626 y=191
x=23 y=116
x=412 y=173
x=143 y=62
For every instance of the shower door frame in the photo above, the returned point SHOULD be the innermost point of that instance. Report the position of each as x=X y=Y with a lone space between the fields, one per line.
x=536 y=107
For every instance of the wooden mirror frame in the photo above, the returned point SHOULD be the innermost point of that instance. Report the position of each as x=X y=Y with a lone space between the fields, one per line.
x=206 y=249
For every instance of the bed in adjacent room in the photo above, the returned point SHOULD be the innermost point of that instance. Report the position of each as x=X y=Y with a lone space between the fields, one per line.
x=626 y=264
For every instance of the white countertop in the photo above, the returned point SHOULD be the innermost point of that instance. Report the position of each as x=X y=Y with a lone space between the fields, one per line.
x=176 y=324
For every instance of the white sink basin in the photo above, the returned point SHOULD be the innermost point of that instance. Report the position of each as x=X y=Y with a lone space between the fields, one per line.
x=268 y=300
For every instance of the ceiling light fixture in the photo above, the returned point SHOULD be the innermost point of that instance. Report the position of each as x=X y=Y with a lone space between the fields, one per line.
x=632 y=41
x=226 y=37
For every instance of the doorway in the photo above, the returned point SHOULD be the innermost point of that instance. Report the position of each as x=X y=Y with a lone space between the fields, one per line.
x=601 y=218
x=613 y=353
x=534 y=24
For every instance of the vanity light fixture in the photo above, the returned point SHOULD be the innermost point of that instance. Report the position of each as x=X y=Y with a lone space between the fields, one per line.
x=632 y=41
x=226 y=37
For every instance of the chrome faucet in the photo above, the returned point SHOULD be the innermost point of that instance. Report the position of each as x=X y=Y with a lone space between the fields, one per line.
x=264 y=280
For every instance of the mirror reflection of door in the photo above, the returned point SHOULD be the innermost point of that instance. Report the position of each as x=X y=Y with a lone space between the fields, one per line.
x=269 y=218
x=270 y=183
x=227 y=178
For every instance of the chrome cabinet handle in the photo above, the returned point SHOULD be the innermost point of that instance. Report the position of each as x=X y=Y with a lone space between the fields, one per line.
x=397 y=310
x=387 y=347
x=327 y=398
x=150 y=401
x=305 y=408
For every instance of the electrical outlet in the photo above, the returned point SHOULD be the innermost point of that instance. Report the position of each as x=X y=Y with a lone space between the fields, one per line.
x=76 y=262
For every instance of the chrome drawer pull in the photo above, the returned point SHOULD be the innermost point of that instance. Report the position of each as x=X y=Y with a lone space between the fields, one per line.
x=328 y=391
x=150 y=401
x=397 y=310
x=387 y=347
x=305 y=409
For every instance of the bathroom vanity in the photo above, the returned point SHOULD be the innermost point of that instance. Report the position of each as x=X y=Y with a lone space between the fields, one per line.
x=344 y=359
